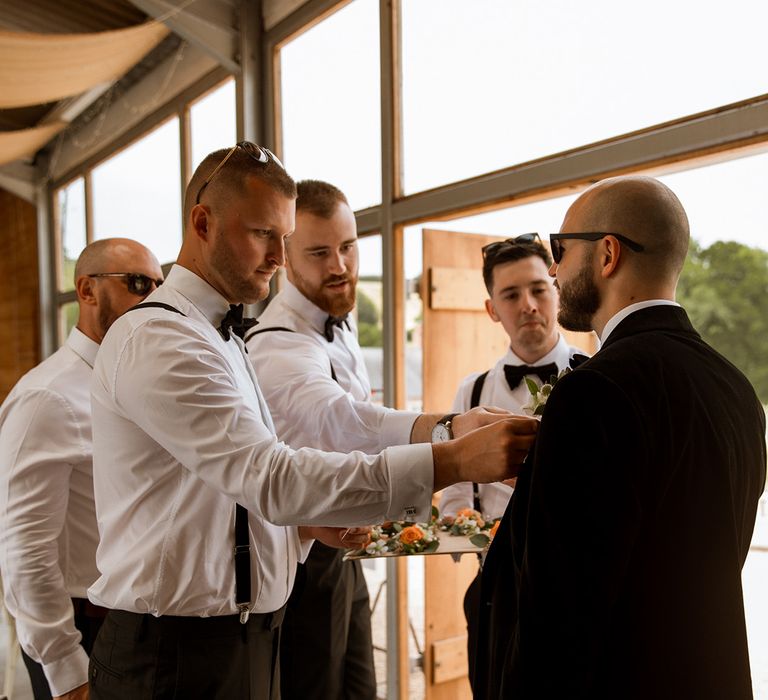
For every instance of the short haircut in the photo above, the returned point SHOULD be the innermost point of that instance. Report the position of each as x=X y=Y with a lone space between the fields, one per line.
x=230 y=179
x=319 y=198
x=512 y=252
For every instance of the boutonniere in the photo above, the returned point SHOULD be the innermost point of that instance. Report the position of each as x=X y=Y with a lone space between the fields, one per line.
x=540 y=394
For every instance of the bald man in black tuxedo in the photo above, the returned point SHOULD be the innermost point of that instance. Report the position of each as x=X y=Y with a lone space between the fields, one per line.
x=616 y=572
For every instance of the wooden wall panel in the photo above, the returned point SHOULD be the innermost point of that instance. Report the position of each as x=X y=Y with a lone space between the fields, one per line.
x=19 y=300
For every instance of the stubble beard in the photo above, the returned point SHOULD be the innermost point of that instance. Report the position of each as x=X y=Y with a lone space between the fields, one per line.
x=239 y=289
x=579 y=301
x=334 y=304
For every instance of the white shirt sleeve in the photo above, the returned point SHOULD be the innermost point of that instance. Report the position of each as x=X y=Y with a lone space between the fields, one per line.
x=310 y=408
x=36 y=441
x=196 y=411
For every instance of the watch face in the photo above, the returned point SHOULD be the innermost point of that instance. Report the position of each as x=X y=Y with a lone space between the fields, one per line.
x=440 y=433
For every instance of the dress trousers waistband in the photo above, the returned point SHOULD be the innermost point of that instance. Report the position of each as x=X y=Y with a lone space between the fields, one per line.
x=177 y=624
x=86 y=608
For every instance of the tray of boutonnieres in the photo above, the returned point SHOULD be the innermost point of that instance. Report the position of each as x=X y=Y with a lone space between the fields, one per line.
x=467 y=532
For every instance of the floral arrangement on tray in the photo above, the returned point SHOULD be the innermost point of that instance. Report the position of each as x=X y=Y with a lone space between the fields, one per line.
x=400 y=537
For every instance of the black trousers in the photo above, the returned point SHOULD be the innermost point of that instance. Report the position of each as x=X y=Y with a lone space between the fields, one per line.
x=326 y=650
x=142 y=657
x=472 y=602
x=88 y=619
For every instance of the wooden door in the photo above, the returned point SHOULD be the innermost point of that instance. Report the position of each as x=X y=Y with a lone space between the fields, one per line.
x=458 y=338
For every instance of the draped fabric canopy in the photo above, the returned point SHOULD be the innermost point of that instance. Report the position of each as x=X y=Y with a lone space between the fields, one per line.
x=40 y=68
x=18 y=144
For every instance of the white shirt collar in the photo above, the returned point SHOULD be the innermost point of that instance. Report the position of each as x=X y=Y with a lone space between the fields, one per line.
x=616 y=319
x=199 y=293
x=83 y=346
x=309 y=311
x=559 y=354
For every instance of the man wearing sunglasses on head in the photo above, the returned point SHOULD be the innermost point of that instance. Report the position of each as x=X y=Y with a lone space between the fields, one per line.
x=48 y=532
x=616 y=570
x=522 y=297
x=203 y=514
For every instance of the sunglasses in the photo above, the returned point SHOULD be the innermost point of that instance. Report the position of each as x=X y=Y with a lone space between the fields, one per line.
x=496 y=246
x=137 y=284
x=258 y=153
x=557 y=246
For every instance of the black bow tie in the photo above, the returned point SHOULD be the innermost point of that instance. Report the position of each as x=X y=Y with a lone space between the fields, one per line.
x=577 y=360
x=235 y=322
x=332 y=321
x=515 y=373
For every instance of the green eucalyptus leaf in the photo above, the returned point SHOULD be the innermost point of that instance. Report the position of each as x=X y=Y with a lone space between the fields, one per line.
x=539 y=410
x=480 y=540
x=435 y=513
x=432 y=546
x=533 y=387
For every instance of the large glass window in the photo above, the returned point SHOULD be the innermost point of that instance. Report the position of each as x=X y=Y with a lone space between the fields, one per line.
x=212 y=122
x=330 y=103
x=137 y=193
x=370 y=302
x=490 y=84
x=70 y=220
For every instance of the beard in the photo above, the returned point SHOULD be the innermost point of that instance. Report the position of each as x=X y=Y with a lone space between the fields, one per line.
x=237 y=286
x=579 y=301
x=107 y=315
x=333 y=303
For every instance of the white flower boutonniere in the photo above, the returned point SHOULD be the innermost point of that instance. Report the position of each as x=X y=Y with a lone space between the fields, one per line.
x=540 y=394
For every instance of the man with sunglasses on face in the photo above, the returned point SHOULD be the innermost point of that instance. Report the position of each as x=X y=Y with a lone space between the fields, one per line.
x=48 y=532
x=202 y=513
x=616 y=571
x=524 y=300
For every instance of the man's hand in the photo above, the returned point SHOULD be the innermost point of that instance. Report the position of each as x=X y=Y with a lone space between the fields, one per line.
x=491 y=453
x=79 y=693
x=476 y=418
x=338 y=537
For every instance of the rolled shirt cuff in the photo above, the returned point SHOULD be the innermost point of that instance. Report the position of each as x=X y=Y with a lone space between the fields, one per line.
x=411 y=479
x=67 y=673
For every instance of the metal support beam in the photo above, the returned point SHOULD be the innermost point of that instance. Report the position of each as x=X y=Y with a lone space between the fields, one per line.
x=250 y=96
x=736 y=126
x=206 y=24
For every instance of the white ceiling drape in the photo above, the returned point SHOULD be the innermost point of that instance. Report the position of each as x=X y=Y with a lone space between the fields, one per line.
x=41 y=68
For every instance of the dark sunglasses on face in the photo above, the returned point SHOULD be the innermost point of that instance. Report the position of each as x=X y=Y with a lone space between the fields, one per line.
x=137 y=284
x=258 y=153
x=557 y=246
x=496 y=246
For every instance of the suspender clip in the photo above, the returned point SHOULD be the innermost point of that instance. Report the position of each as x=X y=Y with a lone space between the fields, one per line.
x=244 y=612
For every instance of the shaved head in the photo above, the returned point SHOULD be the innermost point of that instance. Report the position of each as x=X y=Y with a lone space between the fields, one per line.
x=103 y=299
x=111 y=255
x=645 y=211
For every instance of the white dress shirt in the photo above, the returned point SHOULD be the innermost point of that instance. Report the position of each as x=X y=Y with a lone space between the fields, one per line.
x=496 y=392
x=308 y=407
x=181 y=432
x=48 y=532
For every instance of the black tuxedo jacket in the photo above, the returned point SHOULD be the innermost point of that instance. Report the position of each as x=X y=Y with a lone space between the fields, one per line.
x=616 y=571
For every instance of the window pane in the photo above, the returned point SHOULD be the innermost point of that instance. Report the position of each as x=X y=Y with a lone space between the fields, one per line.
x=136 y=194
x=494 y=83
x=67 y=319
x=212 y=122
x=330 y=103
x=70 y=204
x=370 y=300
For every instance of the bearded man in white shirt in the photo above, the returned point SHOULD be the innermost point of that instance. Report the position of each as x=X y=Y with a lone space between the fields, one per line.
x=523 y=298
x=184 y=443
x=48 y=532
x=311 y=369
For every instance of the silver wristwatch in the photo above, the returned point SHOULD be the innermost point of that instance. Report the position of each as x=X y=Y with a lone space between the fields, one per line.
x=442 y=432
